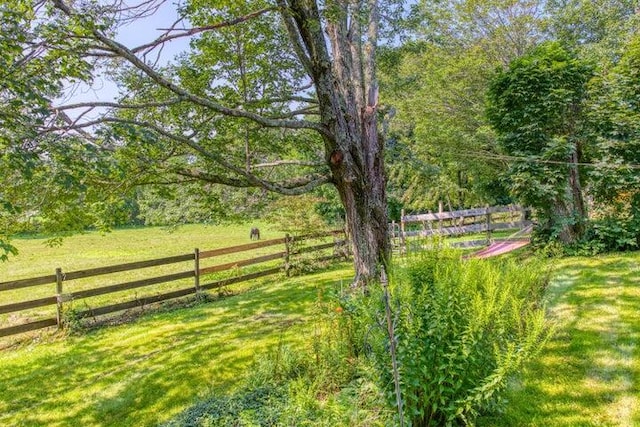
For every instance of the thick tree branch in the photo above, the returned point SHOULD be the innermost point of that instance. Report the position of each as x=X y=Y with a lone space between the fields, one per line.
x=125 y=53
x=370 y=46
x=308 y=25
x=295 y=37
x=293 y=187
x=212 y=179
x=299 y=112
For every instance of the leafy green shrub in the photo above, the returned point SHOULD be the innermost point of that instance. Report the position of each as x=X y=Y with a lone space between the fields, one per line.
x=461 y=329
x=617 y=234
x=615 y=227
x=607 y=235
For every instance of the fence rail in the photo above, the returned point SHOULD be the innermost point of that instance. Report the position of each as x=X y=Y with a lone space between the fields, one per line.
x=26 y=283
x=60 y=298
x=457 y=223
x=411 y=226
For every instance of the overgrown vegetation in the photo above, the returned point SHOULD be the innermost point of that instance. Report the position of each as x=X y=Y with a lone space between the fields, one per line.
x=303 y=352
x=462 y=329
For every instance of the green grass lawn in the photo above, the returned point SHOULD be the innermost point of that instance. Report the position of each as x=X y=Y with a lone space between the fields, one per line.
x=94 y=249
x=589 y=372
x=145 y=372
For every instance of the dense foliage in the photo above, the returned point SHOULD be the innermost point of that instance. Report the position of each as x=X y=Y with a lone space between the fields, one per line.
x=241 y=113
x=440 y=145
x=615 y=119
x=462 y=328
x=536 y=106
x=275 y=95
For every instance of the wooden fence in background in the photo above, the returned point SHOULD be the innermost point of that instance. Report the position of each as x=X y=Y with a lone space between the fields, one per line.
x=290 y=245
x=458 y=223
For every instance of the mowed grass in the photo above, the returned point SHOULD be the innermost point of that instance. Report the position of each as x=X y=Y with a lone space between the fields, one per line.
x=93 y=249
x=588 y=374
x=146 y=372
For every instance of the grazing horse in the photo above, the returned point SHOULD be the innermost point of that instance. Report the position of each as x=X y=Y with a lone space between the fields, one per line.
x=255 y=234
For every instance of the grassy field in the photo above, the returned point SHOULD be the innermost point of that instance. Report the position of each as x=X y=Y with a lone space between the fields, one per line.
x=145 y=372
x=93 y=249
x=148 y=371
x=589 y=373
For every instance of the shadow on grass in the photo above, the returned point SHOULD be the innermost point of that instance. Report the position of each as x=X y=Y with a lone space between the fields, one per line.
x=146 y=372
x=589 y=372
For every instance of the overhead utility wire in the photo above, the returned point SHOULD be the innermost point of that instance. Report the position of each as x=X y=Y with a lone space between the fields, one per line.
x=553 y=162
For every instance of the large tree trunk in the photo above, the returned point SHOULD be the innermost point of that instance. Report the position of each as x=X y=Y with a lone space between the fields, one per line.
x=569 y=211
x=360 y=180
x=579 y=209
x=357 y=166
x=343 y=73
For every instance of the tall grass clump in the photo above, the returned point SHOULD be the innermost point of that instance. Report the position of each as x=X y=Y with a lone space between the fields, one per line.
x=461 y=329
x=319 y=383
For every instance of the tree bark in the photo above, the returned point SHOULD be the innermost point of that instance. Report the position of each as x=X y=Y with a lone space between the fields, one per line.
x=570 y=211
x=361 y=185
x=343 y=73
x=579 y=209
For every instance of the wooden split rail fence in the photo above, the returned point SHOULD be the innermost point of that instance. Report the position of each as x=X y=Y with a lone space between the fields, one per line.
x=292 y=246
x=458 y=223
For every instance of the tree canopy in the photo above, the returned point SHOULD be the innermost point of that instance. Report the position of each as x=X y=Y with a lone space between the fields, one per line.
x=537 y=108
x=280 y=95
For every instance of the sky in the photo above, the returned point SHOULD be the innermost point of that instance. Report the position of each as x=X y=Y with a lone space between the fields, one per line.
x=134 y=34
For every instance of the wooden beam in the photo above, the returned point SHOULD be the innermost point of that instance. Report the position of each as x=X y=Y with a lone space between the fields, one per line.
x=241 y=248
x=140 y=302
x=315 y=248
x=25 y=283
x=25 y=305
x=460 y=213
x=26 y=327
x=242 y=263
x=130 y=285
x=126 y=267
x=244 y=278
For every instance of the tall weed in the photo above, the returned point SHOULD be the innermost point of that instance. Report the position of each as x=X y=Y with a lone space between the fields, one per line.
x=461 y=329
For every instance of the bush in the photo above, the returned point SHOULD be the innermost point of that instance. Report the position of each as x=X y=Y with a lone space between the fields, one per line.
x=615 y=227
x=461 y=329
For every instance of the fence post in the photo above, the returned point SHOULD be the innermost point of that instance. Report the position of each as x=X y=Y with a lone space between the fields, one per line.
x=196 y=269
x=488 y=225
x=440 y=211
x=287 y=254
x=59 y=278
x=403 y=247
x=394 y=240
